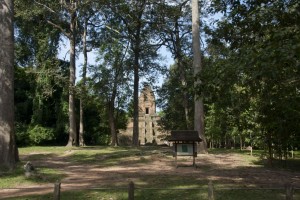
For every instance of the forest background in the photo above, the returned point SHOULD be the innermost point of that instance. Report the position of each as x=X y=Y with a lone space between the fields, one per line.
x=249 y=81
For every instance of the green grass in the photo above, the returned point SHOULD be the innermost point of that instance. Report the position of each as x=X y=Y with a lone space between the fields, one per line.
x=43 y=150
x=109 y=194
x=13 y=178
x=149 y=186
x=101 y=156
x=258 y=158
x=108 y=155
x=166 y=194
x=249 y=194
x=17 y=178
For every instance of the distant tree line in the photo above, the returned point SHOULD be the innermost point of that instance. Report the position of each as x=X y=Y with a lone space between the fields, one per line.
x=250 y=78
x=247 y=82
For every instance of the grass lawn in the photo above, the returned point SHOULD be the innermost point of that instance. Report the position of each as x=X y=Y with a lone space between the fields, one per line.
x=121 y=164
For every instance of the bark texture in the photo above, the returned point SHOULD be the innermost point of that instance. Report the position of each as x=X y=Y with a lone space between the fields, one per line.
x=182 y=75
x=136 y=50
x=135 y=136
x=72 y=117
x=8 y=149
x=199 y=111
x=83 y=87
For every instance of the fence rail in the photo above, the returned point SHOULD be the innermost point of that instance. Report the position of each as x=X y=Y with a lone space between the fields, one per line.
x=289 y=190
x=131 y=189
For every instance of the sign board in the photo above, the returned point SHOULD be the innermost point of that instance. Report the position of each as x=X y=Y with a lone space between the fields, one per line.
x=185 y=149
x=185 y=143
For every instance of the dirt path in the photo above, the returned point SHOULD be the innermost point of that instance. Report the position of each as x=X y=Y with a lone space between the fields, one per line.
x=231 y=169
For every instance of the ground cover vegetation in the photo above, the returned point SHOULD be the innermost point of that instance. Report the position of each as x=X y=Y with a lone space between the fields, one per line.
x=102 y=172
x=248 y=82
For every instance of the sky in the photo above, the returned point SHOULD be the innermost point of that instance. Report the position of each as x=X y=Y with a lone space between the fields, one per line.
x=64 y=55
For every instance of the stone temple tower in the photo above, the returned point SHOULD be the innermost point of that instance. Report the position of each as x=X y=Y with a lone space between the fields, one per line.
x=147 y=102
x=148 y=129
x=148 y=118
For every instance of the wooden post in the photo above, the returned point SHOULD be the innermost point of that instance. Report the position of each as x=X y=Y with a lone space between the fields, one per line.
x=176 y=154
x=194 y=162
x=210 y=191
x=194 y=155
x=57 y=190
x=131 y=191
x=289 y=190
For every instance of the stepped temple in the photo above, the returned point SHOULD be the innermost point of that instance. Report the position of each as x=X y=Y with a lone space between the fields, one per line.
x=148 y=128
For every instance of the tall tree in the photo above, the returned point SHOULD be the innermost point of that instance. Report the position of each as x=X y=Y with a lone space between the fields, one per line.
x=137 y=17
x=8 y=149
x=83 y=84
x=170 y=98
x=111 y=81
x=136 y=44
x=175 y=31
x=113 y=74
x=36 y=48
x=197 y=65
x=89 y=18
x=262 y=41
x=64 y=17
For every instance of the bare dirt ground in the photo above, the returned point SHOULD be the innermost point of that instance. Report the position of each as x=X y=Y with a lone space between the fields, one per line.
x=228 y=169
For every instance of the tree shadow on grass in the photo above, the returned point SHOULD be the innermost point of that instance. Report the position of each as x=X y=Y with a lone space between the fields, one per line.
x=289 y=164
x=38 y=156
x=292 y=164
x=246 y=194
x=154 y=168
x=17 y=177
x=122 y=155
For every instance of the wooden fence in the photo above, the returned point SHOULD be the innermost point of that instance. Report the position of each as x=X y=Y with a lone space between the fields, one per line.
x=289 y=190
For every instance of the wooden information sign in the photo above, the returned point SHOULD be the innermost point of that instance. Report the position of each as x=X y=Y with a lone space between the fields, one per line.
x=185 y=143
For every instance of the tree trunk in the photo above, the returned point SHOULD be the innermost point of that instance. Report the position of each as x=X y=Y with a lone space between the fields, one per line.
x=234 y=142
x=81 y=123
x=111 y=112
x=72 y=117
x=83 y=89
x=8 y=150
x=199 y=111
x=270 y=149
x=112 y=125
x=182 y=76
x=135 y=137
x=241 y=142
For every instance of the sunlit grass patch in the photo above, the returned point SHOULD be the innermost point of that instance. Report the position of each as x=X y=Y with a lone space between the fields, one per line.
x=12 y=178
x=164 y=194
x=107 y=156
x=248 y=194
x=93 y=194
x=150 y=184
x=17 y=178
x=42 y=150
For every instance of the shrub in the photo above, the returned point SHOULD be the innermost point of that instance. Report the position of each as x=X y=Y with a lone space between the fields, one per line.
x=22 y=136
x=40 y=135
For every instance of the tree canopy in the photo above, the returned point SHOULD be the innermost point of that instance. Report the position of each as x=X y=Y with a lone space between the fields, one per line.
x=246 y=78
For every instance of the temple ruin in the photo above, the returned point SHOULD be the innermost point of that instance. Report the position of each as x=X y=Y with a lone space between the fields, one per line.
x=148 y=119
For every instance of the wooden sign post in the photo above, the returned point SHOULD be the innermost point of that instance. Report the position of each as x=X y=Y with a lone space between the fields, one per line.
x=184 y=142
